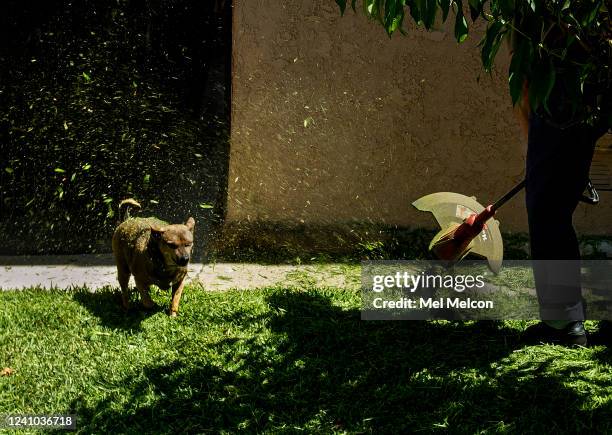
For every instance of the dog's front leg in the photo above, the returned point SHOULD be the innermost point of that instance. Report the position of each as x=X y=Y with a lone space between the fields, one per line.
x=177 y=291
x=145 y=298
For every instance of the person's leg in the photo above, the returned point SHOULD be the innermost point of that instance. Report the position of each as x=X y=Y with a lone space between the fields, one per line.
x=558 y=162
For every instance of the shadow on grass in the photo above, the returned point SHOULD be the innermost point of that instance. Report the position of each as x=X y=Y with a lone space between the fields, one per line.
x=105 y=304
x=322 y=369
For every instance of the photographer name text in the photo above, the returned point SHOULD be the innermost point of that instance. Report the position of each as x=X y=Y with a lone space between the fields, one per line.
x=431 y=303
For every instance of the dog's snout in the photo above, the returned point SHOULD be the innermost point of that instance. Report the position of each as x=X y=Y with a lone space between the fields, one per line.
x=183 y=260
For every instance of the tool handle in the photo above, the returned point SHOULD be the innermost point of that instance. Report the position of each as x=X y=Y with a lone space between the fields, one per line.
x=501 y=201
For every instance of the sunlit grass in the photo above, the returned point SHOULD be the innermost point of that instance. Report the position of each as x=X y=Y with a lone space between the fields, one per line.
x=287 y=360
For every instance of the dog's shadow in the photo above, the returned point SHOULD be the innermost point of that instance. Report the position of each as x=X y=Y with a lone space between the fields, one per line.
x=105 y=304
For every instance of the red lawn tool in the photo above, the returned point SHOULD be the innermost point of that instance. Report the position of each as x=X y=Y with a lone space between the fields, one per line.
x=468 y=227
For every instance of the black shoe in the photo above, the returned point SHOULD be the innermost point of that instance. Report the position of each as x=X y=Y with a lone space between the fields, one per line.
x=575 y=335
x=572 y=335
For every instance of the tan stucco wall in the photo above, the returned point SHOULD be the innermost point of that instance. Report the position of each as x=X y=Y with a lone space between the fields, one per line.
x=389 y=120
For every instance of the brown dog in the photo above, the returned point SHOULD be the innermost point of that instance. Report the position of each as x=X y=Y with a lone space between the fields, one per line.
x=155 y=252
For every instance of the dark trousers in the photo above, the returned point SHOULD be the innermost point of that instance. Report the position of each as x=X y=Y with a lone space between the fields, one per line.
x=558 y=163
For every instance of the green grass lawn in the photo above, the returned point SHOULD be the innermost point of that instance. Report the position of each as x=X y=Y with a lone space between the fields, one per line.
x=287 y=360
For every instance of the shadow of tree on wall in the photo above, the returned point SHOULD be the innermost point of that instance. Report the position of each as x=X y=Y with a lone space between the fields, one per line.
x=332 y=371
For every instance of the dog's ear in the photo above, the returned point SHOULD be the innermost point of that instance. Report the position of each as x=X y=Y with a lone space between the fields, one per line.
x=190 y=224
x=157 y=231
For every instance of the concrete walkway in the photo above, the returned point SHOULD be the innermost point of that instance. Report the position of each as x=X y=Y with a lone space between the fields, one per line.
x=98 y=271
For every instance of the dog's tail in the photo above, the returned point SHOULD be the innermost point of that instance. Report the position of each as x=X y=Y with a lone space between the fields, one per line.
x=126 y=204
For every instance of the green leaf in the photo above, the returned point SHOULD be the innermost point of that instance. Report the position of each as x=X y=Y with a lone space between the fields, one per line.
x=431 y=9
x=461 y=26
x=475 y=8
x=515 y=81
x=445 y=6
x=59 y=170
x=372 y=10
x=394 y=15
x=491 y=43
x=415 y=11
x=86 y=76
x=206 y=206
x=543 y=78
x=506 y=7
x=588 y=19
x=9 y=170
x=532 y=4
x=521 y=59
x=395 y=24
